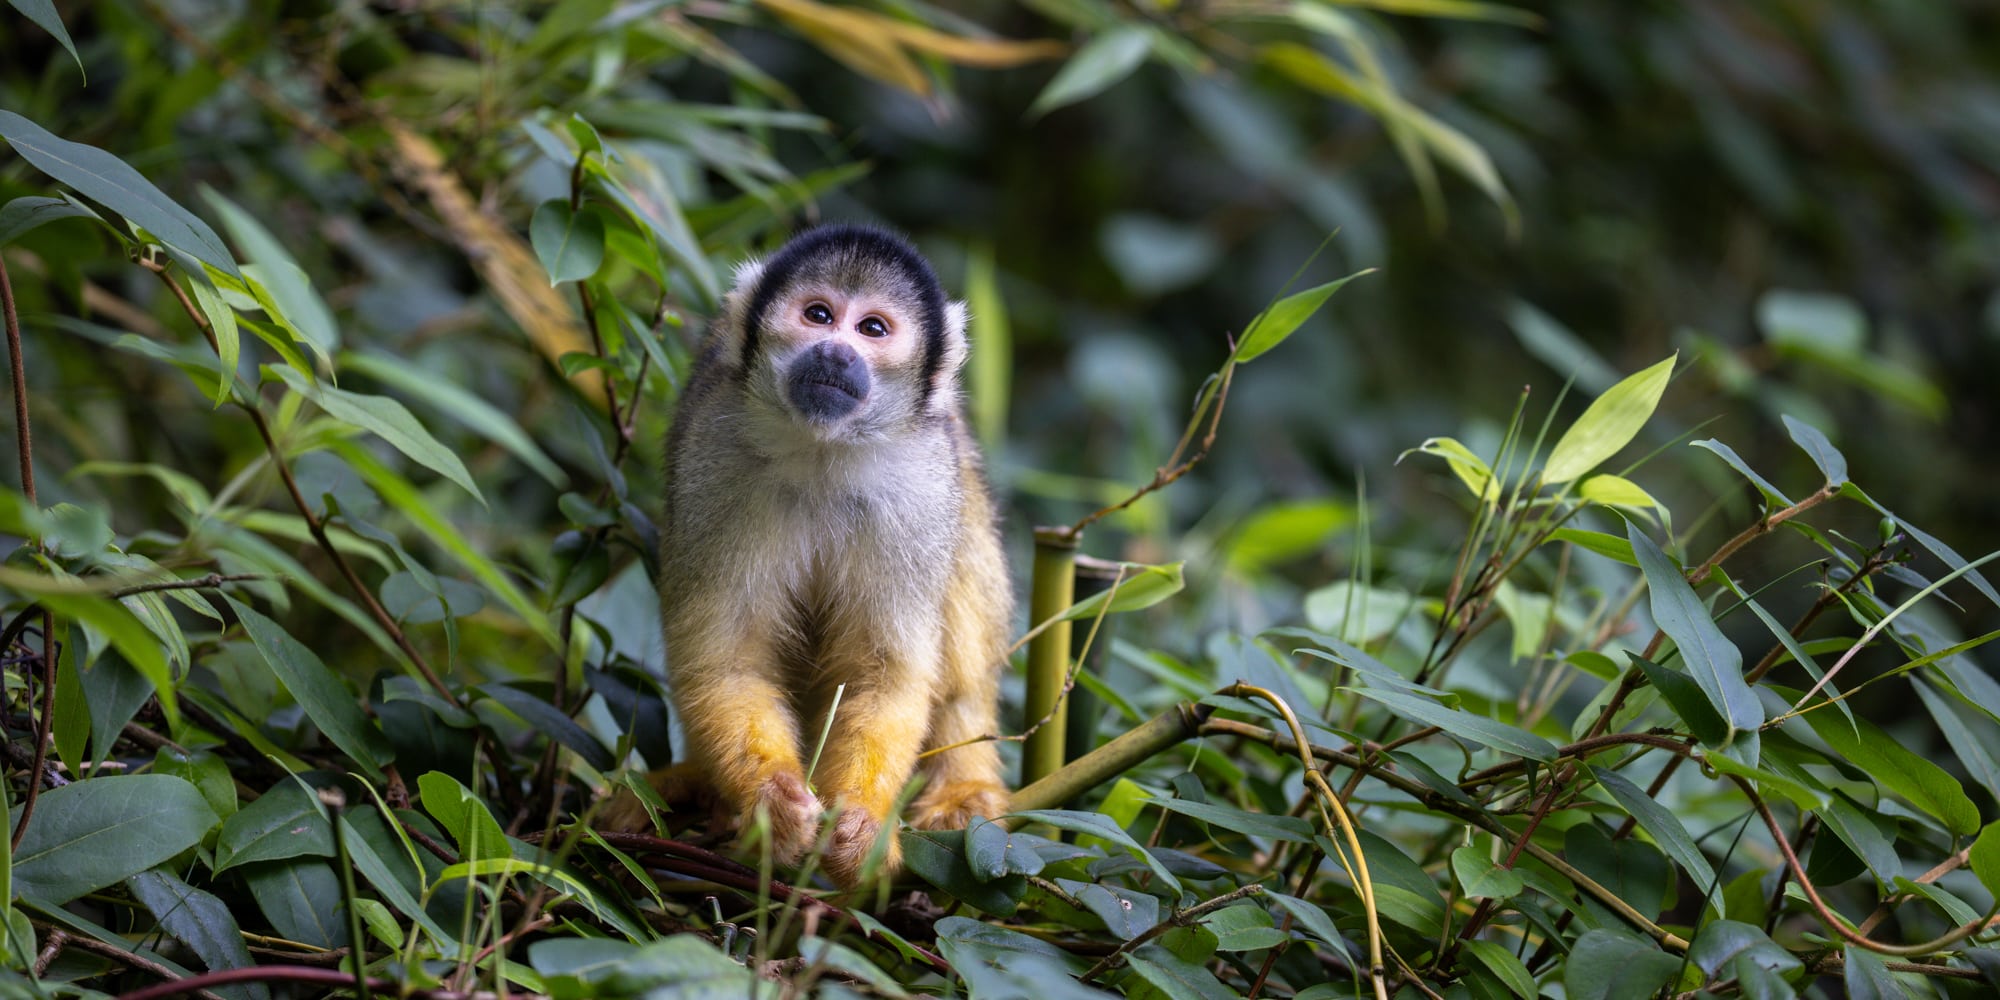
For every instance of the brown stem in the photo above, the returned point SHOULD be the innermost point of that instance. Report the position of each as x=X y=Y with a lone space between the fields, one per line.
x=136 y=961
x=24 y=440
x=1165 y=475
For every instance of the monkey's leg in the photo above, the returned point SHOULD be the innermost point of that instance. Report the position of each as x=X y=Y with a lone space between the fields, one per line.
x=741 y=731
x=963 y=777
x=871 y=752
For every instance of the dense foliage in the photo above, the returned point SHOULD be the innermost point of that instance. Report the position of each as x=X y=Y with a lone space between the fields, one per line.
x=347 y=335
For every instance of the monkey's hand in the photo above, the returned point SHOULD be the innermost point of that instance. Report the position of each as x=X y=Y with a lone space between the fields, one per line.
x=855 y=836
x=793 y=813
x=953 y=804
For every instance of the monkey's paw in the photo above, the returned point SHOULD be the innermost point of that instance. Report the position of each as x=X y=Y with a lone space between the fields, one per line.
x=952 y=805
x=854 y=837
x=794 y=814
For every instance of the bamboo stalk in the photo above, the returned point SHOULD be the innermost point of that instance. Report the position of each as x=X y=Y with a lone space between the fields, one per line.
x=1053 y=591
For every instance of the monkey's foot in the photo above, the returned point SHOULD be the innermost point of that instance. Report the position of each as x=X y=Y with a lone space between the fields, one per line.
x=678 y=784
x=793 y=812
x=854 y=837
x=951 y=805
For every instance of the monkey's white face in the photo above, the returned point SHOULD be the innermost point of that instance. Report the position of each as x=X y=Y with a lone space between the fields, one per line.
x=843 y=362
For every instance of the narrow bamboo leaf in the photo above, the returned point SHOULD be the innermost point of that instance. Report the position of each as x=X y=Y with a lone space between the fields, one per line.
x=1831 y=462
x=1617 y=491
x=1607 y=545
x=1945 y=553
x=1785 y=639
x=1985 y=858
x=1903 y=771
x=1285 y=316
x=1859 y=833
x=1728 y=454
x=127 y=634
x=1095 y=825
x=1799 y=794
x=280 y=285
x=1243 y=821
x=480 y=416
x=222 y=323
x=1143 y=587
x=1975 y=749
x=389 y=420
x=1465 y=464
x=113 y=183
x=1715 y=663
x=29 y=212
x=1482 y=877
x=200 y=921
x=43 y=13
x=1608 y=424
x=569 y=244
x=328 y=702
x=544 y=717
x=1465 y=725
x=1664 y=827
x=71 y=727
x=90 y=834
x=1107 y=59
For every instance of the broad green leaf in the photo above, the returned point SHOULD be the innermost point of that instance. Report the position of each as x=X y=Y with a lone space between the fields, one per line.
x=1859 y=832
x=1143 y=587
x=1635 y=871
x=1107 y=59
x=1609 y=546
x=1608 y=424
x=1664 y=827
x=1867 y=977
x=939 y=857
x=1722 y=943
x=1465 y=725
x=387 y=419
x=207 y=772
x=43 y=13
x=284 y=822
x=28 y=212
x=1728 y=454
x=280 y=285
x=328 y=702
x=1985 y=858
x=1281 y=532
x=1244 y=928
x=301 y=898
x=1176 y=977
x=1832 y=464
x=991 y=851
x=1482 y=877
x=113 y=183
x=1504 y=965
x=1285 y=316
x=569 y=244
x=71 y=727
x=1358 y=612
x=1713 y=661
x=391 y=884
x=90 y=834
x=1312 y=919
x=449 y=398
x=200 y=921
x=1900 y=769
x=1616 y=964
x=1126 y=914
x=546 y=719
x=1465 y=464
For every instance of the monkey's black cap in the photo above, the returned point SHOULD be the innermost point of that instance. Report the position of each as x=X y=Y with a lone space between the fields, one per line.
x=854 y=255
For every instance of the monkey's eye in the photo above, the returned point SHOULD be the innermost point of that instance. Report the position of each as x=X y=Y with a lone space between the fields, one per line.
x=819 y=314
x=873 y=327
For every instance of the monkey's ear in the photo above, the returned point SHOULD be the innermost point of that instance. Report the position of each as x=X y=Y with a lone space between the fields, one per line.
x=955 y=347
x=728 y=327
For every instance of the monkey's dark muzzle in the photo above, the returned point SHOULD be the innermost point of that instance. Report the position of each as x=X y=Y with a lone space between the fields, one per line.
x=827 y=382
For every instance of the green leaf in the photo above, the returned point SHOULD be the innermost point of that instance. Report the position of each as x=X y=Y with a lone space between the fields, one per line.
x=222 y=323
x=28 y=212
x=1095 y=825
x=328 y=702
x=1723 y=943
x=200 y=921
x=1465 y=725
x=1617 y=491
x=992 y=851
x=480 y=416
x=113 y=183
x=127 y=634
x=90 y=834
x=464 y=816
x=570 y=244
x=207 y=772
x=1985 y=858
x=546 y=719
x=1280 y=532
x=1607 y=545
x=1800 y=794
x=1482 y=877
x=1901 y=770
x=1176 y=977
x=1244 y=928
x=280 y=285
x=284 y=822
x=1243 y=821
x=1728 y=454
x=939 y=857
x=1142 y=587
x=1285 y=316
x=43 y=13
x=1663 y=826
x=301 y=899
x=1832 y=464
x=1609 y=964
x=1505 y=965
x=387 y=419
x=1465 y=464
x=1867 y=977
x=1107 y=59
x=1714 y=662
x=1608 y=424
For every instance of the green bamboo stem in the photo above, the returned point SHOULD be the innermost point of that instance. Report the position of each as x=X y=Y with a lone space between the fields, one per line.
x=1053 y=591
x=1176 y=724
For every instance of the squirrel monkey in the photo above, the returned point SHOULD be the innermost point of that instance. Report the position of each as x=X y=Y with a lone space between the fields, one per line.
x=829 y=527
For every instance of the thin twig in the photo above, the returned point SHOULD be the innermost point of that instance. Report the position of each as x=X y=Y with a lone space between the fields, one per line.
x=1182 y=919
x=1175 y=468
